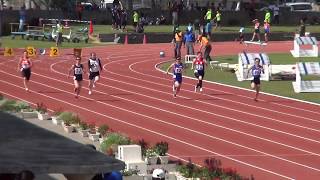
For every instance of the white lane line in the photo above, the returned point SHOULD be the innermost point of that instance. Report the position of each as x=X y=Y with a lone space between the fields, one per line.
x=154 y=132
x=196 y=109
x=220 y=98
x=187 y=117
x=252 y=114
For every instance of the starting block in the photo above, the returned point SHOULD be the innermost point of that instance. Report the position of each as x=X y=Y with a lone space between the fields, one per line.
x=8 y=51
x=256 y=42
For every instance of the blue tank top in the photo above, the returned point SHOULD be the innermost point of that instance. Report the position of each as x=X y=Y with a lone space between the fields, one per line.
x=256 y=71
x=177 y=69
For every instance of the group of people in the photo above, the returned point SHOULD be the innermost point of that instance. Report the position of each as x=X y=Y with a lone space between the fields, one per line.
x=199 y=65
x=77 y=70
x=119 y=16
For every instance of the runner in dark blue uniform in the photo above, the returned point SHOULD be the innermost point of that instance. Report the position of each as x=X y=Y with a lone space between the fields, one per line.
x=78 y=71
x=256 y=69
x=177 y=68
x=199 y=64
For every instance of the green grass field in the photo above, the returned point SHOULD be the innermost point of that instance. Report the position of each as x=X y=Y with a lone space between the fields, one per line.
x=168 y=29
x=106 y=29
x=282 y=58
x=283 y=88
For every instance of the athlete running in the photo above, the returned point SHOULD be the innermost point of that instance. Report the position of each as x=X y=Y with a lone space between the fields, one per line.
x=94 y=66
x=199 y=64
x=24 y=66
x=256 y=69
x=78 y=70
x=177 y=68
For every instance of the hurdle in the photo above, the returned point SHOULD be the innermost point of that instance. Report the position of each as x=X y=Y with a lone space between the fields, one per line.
x=245 y=60
x=303 y=69
x=188 y=59
x=299 y=41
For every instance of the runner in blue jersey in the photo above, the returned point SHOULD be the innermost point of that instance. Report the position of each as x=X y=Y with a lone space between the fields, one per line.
x=256 y=71
x=199 y=65
x=177 y=69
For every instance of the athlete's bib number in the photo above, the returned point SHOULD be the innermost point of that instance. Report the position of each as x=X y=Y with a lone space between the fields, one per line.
x=199 y=67
x=256 y=72
x=178 y=70
x=94 y=67
x=77 y=71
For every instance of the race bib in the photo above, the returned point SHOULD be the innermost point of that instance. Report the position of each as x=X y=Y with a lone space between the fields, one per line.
x=77 y=71
x=199 y=67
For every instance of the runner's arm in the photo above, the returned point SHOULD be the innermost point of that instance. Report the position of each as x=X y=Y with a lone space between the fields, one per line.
x=19 y=64
x=249 y=71
x=170 y=67
x=70 y=70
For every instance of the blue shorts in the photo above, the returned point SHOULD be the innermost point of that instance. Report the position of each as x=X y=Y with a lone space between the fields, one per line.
x=177 y=78
x=266 y=30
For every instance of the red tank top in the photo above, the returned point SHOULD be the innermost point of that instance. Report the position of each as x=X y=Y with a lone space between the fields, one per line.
x=25 y=63
x=199 y=64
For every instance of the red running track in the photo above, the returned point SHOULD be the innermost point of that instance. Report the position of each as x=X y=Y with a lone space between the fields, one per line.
x=276 y=138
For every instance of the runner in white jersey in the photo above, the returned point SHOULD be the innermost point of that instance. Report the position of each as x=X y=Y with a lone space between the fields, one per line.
x=94 y=66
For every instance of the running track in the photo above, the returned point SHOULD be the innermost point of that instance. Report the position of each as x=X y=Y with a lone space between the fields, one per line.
x=275 y=138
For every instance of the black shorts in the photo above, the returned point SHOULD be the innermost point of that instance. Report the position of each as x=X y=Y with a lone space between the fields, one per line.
x=257 y=31
x=93 y=75
x=199 y=73
x=256 y=80
x=218 y=23
x=78 y=77
x=26 y=73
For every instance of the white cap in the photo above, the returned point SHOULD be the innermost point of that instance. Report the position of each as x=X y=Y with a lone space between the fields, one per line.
x=158 y=173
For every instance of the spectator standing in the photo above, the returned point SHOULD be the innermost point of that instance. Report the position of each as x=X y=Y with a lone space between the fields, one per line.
x=189 y=40
x=22 y=17
x=174 y=13
x=276 y=14
x=79 y=10
x=178 y=38
x=302 y=28
x=256 y=31
x=135 y=19
x=124 y=17
x=59 y=33
x=204 y=42
x=267 y=17
x=218 y=19
x=208 y=16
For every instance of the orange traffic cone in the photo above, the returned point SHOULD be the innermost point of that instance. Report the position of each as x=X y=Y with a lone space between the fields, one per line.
x=91 y=28
x=126 y=39
x=144 y=39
